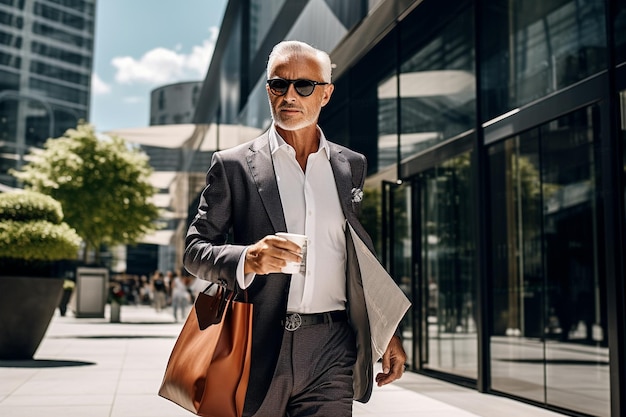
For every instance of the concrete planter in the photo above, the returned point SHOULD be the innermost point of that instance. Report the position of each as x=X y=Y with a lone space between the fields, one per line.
x=27 y=305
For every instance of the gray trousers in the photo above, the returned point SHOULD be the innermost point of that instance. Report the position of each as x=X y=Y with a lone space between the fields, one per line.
x=314 y=373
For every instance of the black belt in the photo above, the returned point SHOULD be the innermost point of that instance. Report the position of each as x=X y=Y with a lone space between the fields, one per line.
x=294 y=321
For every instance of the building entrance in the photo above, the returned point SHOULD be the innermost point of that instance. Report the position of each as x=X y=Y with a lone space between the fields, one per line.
x=548 y=338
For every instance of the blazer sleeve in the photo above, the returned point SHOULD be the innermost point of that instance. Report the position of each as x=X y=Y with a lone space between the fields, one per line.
x=208 y=255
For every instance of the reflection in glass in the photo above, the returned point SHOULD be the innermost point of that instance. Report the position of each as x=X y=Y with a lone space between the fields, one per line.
x=262 y=16
x=548 y=336
x=437 y=88
x=622 y=101
x=387 y=122
x=400 y=248
x=620 y=32
x=448 y=269
x=517 y=286
x=535 y=47
x=577 y=372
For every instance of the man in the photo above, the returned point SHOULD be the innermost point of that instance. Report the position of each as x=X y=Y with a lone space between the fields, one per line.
x=306 y=326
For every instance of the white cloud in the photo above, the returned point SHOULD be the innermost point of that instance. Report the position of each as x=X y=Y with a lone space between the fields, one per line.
x=99 y=87
x=162 y=65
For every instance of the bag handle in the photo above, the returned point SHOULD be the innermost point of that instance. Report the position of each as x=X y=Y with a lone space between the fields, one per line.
x=211 y=304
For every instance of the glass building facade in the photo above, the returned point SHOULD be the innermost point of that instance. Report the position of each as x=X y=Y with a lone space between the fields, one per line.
x=46 y=56
x=495 y=133
x=174 y=103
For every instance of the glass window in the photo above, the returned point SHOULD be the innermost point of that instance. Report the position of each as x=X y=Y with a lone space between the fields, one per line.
x=194 y=95
x=549 y=334
x=349 y=13
x=86 y=6
x=14 y=3
x=60 y=92
x=257 y=113
x=58 y=73
x=61 y=54
x=38 y=124
x=387 y=122
x=9 y=19
x=620 y=32
x=72 y=20
x=231 y=78
x=622 y=101
x=536 y=47
x=10 y=60
x=365 y=109
x=8 y=133
x=437 y=86
x=10 y=40
x=399 y=250
x=161 y=99
x=62 y=36
x=262 y=15
x=448 y=268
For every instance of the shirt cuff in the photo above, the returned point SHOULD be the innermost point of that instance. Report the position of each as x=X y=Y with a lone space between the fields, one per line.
x=244 y=280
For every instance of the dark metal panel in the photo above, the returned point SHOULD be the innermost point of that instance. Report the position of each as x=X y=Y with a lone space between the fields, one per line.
x=612 y=187
x=283 y=24
x=482 y=216
x=549 y=108
x=417 y=280
x=433 y=157
x=209 y=98
x=368 y=33
x=612 y=172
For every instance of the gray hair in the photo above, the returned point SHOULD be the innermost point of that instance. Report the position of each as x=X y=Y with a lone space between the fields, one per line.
x=288 y=48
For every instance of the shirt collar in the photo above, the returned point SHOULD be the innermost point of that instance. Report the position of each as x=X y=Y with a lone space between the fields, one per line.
x=277 y=142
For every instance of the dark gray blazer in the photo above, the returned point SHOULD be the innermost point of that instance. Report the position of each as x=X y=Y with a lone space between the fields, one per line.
x=239 y=206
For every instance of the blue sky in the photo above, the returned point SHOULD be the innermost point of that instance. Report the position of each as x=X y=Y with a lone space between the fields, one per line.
x=144 y=44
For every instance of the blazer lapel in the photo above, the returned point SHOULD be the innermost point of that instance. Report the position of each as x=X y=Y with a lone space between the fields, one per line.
x=343 y=180
x=261 y=168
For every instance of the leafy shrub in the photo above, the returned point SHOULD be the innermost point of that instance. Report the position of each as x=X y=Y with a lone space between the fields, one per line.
x=29 y=205
x=31 y=228
x=39 y=239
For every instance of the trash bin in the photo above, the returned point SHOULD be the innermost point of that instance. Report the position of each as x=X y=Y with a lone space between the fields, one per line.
x=90 y=294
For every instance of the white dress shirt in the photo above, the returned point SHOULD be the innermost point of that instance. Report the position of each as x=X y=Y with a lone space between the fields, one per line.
x=311 y=207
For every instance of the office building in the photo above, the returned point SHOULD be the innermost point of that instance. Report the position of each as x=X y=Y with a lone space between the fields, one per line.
x=172 y=108
x=46 y=57
x=167 y=142
x=495 y=133
x=174 y=103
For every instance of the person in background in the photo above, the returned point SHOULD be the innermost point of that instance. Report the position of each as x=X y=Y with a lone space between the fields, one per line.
x=159 y=290
x=146 y=296
x=307 y=325
x=181 y=298
x=194 y=285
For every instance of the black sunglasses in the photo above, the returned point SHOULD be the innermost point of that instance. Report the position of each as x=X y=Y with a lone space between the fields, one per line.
x=279 y=86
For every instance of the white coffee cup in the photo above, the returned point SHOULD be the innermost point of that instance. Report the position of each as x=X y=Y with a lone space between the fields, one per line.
x=300 y=240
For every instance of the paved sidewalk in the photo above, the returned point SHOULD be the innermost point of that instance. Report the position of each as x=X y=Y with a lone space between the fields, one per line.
x=93 y=368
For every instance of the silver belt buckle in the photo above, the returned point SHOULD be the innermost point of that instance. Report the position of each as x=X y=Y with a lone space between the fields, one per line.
x=293 y=322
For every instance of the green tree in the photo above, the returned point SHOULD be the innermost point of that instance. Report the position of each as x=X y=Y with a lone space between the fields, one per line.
x=102 y=184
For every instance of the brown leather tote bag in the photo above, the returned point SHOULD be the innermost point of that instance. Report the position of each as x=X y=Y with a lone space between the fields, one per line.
x=209 y=367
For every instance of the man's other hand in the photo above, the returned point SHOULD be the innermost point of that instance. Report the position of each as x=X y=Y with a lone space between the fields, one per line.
x=393 y=362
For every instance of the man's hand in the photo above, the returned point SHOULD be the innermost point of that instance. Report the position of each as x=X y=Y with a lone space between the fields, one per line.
x=393 y=362
x=271 y=254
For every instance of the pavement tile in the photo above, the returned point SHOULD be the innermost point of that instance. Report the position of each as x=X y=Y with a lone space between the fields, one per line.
x=94 y=368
